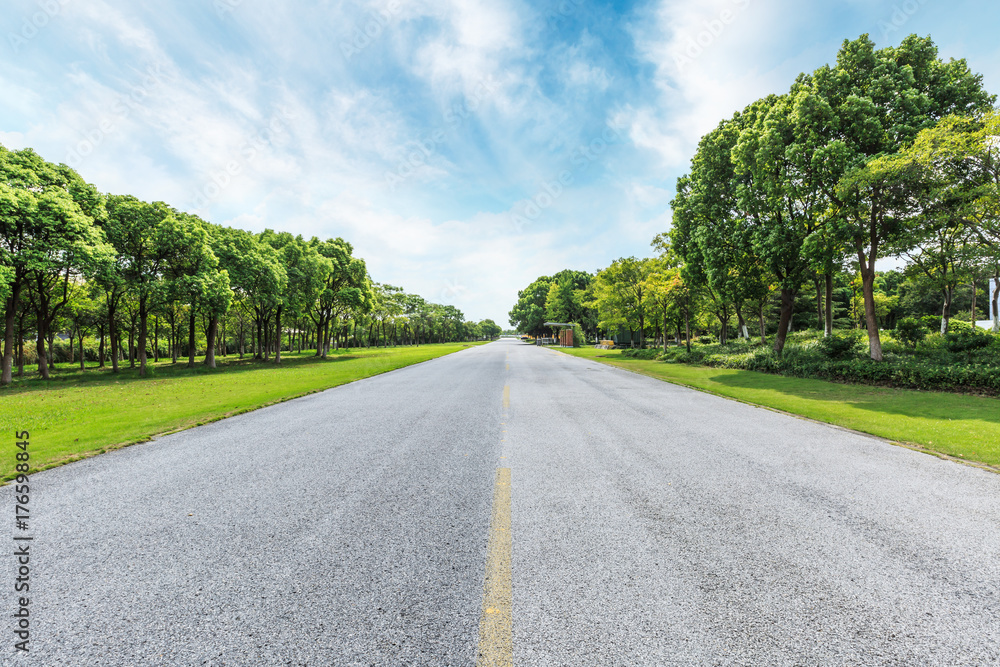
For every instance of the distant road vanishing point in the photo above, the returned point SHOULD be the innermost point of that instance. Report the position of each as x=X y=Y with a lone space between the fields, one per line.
x=509 y=504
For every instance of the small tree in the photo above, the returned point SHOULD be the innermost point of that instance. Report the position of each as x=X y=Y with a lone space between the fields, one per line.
x=910 y=332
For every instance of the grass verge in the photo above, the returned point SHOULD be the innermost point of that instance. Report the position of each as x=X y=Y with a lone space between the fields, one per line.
x=80 y=414
x=960 y=426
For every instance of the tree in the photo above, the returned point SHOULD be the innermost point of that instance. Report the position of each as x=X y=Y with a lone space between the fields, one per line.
x=860 y=113
x=622 y=296
x=387 y=306
x=528 y=314
x=47 y=235
x=664 y=286
x=960 y=157
x=305 y=270
x=781 y=195
x=346 y=289
x=81 y=315
x=489 y=329
x=258 y=280
x=149 y=240
x=194 y=277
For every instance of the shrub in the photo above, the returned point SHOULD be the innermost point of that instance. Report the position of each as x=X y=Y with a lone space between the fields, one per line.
x=932 y=322
x=968 y=340
x=958 y=326
x=651 y=353
x=910 y=331
x=707 y=339
x=839 y=346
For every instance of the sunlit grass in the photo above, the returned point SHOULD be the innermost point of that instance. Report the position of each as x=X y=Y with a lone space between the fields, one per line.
x=79 y=414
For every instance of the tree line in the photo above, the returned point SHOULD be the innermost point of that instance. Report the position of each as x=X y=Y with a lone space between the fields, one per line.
x=887 y=153
x=132 y=274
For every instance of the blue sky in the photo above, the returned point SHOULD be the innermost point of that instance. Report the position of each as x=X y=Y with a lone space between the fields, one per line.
x=464 y=147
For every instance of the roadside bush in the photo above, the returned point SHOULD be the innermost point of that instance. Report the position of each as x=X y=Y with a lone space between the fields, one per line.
x=910 y=331
x=958 y=326
x=968 y=340
x=840 y=346
x=651 y=353
x=707 y=339
x=932 y=322
x=933 y=367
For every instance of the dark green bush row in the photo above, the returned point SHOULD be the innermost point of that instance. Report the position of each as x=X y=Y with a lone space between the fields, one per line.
x=959 y=362
x=651 y=353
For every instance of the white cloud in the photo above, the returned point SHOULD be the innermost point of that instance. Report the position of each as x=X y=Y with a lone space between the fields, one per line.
x=705 y=57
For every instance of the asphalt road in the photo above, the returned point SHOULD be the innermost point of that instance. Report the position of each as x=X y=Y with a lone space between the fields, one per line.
x=646 y=524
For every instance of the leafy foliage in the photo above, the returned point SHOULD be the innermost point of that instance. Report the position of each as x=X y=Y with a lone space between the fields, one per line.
x=910 y=331
x=840 y=346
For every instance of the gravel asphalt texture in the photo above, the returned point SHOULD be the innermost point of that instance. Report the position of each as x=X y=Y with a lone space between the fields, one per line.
x=651 y=525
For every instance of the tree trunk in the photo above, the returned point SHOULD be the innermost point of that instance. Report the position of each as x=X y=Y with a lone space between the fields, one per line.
x=20 y=346
x=6 y=376
x=143 y=322
x=763 y=328
x=973 y=320
x=828 y=330
x=277 y=332
x=213 y=325
x=191 y=332
x=868 y=292
x=43 y=366
x=945 y=310
x=81 y=352
x=996 y=299
x=687 y=329
x=113 y=335
x=741 y=322
x=173 y=339
x=266 y=344
x=131 y=346
x=52 y=347
x=819 y=303
x=72 y=337
x=785 y=319
x=100 y=351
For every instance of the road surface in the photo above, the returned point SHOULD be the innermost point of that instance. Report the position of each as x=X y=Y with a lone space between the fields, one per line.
x=516 y=502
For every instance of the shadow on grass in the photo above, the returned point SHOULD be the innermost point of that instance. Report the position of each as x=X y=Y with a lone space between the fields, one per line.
x=939 y=405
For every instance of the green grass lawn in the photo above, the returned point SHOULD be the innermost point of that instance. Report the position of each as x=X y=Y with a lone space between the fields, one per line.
x=966 y=427
x=79 y=414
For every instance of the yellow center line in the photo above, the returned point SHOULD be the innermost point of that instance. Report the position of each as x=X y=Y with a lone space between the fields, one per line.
x=496 y=624
x=506 y=396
